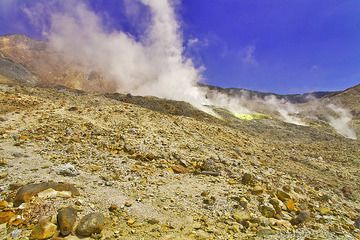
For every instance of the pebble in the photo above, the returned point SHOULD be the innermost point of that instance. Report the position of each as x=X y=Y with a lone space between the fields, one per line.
x=3 y=174
x=283 y=196
x=300 y=218
x=257 y=190
x=179 y=169
x=243 y=202
x=267 y=210
x=66 y=219
x=113 y=207
x=357 y=223
x=3 y=162
x=324 y=210
x=247 y=178
x=90 y=224
x=241 y=216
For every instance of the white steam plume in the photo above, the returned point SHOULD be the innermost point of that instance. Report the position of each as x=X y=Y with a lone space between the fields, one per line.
x=153 y=65
x=243 y=103
x=341 y=123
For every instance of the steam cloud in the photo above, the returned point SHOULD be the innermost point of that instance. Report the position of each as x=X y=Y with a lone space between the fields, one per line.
x=342 y=122
x=153 y=65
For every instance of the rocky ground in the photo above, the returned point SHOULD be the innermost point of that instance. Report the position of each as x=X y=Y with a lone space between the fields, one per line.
x=144 y=168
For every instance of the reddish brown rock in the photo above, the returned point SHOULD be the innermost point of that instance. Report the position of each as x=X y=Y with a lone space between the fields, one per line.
x=25 y=193
x=66 y=219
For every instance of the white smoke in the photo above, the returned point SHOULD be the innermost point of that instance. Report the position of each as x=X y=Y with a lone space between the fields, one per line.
x=342 y=122
x=243 y=103
x=154 y=65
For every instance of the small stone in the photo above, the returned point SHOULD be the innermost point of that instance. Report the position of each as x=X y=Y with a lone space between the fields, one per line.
x=357 y=223
x=43 y=230
x=324 y=210
x=247 y=179
x=153 y=221
x=257 y=190
x=90 y=224
x=113 y=207
x=66 y=219
x=205 y=193
x=131 y=221
x=287 y=188
x=128 y=204
x=241 y=216
x=3 y=162
x=67 y=170
x=3 y=174
x=347 y=191
x=71 y=109
x=276 y=204
x=267 y=210
x=283 y=196
x=3 y=204
x=179 y=169
x=197 y=225
x=243 y=202
x=210 y=200
x=300 y=218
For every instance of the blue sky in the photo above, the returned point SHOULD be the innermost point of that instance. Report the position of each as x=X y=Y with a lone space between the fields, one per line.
x=282 y=46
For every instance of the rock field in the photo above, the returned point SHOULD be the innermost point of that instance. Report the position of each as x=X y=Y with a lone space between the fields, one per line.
x=84 y=165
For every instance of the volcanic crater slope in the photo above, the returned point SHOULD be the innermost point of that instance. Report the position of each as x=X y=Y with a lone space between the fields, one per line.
x=147 y=168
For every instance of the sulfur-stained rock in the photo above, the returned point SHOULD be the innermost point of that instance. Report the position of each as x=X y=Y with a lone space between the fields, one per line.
x=290 y=205
x=66 y=219
x=6 y=216
x=324 y=210
x=90 y=224
x=3 y=204
x=43 y=230
x=25 y=193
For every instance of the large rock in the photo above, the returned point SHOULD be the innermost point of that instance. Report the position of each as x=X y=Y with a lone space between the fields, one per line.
x=90 y=224
x=26 y=192
x=66 y=219
x=43 y=230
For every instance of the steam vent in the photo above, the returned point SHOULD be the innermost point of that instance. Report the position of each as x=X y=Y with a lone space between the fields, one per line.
x=120 y=120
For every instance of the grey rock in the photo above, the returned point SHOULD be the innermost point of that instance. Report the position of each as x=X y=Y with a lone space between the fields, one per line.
x=67 y=170
x=90 y=224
